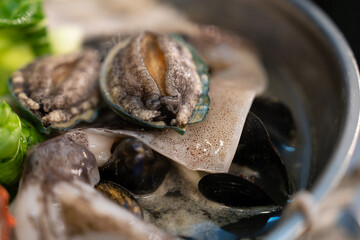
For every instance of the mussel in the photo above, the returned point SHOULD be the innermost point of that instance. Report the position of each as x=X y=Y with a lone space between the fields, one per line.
x=58 y=91
x=156 y=80
x=135 y=166
x=120 y=196
x=257 y=176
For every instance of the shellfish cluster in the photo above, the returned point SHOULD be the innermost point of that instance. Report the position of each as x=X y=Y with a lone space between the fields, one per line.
x=129 y=175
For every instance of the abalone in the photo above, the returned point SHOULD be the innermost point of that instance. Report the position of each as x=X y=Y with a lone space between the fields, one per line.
x=58 y=91
x=156 y=80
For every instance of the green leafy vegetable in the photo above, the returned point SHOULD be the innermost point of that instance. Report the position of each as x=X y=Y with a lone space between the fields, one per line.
x=10 y=132
x=27 y=17
x=16 y=136
x=23 y=35
x=29 y=132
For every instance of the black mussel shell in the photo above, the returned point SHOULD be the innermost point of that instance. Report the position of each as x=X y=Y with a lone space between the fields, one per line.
x=258 y=160
x=233 y=191
x=135 y=166
x=120 y=196
x=277 y=119
x=254 y=132
x=263 y=169
x=257 y=175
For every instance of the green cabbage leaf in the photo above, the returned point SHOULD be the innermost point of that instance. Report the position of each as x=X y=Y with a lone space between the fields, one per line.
x=16 y=137
x=23 y=36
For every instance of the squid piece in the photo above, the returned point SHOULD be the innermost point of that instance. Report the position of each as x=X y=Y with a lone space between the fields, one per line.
x=56 y=198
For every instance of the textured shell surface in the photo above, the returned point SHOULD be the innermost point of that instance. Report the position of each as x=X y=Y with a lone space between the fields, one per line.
x=58 y=91
x=156 y=80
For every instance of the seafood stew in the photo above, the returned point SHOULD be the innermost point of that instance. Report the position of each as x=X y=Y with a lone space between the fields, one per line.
x=145 y=180
x=225 y=170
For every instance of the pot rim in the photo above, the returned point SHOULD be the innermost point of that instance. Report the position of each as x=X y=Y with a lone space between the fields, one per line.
x=346 y=142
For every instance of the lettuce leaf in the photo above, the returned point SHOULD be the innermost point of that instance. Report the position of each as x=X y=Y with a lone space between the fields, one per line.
x=10 y=132
x=16 y=137
x=23 y=36
x=20 y=12
x=28 y=19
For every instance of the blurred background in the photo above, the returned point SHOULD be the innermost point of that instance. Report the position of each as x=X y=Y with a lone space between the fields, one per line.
x=346 y=15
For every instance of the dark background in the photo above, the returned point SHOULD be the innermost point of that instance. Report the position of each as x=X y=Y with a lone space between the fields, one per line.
x=346 y=15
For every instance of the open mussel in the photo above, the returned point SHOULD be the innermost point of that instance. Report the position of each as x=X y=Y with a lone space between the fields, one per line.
x=257 y=154
x=156 y=80
x=257 y=176
x=58 y=91
x=135 y=166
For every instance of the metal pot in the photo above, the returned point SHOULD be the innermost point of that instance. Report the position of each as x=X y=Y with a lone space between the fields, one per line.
x=312 y=68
